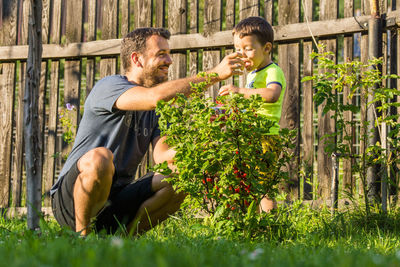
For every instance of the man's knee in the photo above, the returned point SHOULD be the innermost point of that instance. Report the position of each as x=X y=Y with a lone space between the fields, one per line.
x=98 y=164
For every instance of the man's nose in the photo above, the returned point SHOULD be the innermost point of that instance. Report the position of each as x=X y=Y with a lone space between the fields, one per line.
x=168 y=60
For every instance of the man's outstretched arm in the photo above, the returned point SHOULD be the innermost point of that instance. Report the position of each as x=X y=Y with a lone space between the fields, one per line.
x=142 y=98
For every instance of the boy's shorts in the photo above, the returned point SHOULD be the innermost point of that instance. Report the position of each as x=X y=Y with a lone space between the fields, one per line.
x=270 y=146
x=120 y=209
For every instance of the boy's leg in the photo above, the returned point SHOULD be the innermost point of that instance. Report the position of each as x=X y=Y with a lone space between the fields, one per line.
x=267 y=204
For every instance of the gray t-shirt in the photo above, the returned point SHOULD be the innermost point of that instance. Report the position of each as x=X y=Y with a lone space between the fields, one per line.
x=126 y=133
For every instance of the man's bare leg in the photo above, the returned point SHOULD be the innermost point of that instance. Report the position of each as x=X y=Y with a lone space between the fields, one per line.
x=92 y=186
x=154 y=210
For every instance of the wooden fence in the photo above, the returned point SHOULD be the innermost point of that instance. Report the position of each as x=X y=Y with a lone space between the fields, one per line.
x=81 y=41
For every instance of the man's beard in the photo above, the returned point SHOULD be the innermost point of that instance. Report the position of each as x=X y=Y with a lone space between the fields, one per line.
x=151 y=77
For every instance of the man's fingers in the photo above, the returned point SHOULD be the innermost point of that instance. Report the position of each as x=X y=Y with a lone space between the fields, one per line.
x=234 y=55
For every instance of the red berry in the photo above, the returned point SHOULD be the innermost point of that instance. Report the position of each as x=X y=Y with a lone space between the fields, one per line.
x=235 y=171
x=230 y=188
x=237 y=152
x=209 y=180
x=237 y=190
x=244 y=175
x=235 y=168
x=203 y=181
x=232 y=208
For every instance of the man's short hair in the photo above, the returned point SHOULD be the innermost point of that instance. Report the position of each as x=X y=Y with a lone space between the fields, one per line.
x=135 y=41
x=257 y=26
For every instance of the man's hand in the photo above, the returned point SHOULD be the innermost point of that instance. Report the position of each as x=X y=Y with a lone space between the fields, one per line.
x=229 y=88
x=232 y=64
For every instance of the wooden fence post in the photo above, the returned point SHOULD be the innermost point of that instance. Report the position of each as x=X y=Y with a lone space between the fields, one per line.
x=326 y=125
x=8 y=36
x=374 y=51
x=308 y=111
x=32 y=133
x=289 y=59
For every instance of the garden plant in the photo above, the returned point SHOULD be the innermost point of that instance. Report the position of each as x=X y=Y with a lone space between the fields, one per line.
x=220 y=161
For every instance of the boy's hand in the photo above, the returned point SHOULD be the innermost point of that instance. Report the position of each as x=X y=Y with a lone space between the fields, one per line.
x=232 y=64
x=229 y=88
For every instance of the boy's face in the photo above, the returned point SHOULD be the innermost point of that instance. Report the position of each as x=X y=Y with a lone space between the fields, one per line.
x=254 y=54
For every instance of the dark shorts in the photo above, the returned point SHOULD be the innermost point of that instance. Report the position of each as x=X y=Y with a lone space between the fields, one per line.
x=120 y=209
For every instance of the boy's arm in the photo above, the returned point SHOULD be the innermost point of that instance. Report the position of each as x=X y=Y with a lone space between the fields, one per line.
x=270 y=94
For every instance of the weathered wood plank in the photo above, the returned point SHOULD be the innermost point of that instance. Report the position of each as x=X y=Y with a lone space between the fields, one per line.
x=49 y=159
x=247 y=8
x=72 y=68
x=32 y=127
x=91 y=36
x=125 y=10
x=142 y=13
x=212 y=24
x=55 y=29
x=6 y=110
x=160 y=13
x=177 y=14
x=18 y=147
x=193 y=28
x=308 y=111
x=229 y=24
x=8 y=37
x=348 y=183
x=365 y=9
x=326 y=125
x=108 y=66
x=269 y=11
x=283 y=33
x=289 y=61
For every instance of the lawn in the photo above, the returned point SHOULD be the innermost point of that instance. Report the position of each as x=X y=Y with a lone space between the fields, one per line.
x=296 y=236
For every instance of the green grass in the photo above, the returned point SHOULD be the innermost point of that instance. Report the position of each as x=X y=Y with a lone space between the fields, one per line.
x=296 y=236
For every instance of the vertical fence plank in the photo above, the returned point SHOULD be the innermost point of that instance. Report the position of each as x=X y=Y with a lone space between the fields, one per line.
x=308 y=106
x=193 y=28
x=125 y=10
x=348 y=181
x=160 y=12
x=229 y=24
x=18 y=149
x=289 y=62
x=212 y=24
x=46 y=179
x=91 y=36
x=326 y=125
x=247 y=8
x=9 y=37
x=108 y=66
x=396 y=63
x=142 y=13
x=177 y=13
x=72 y=67
x=363 y=112
x=269 y=11
x=50 y=152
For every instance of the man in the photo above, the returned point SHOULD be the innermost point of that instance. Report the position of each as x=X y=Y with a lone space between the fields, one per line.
x=116 y=129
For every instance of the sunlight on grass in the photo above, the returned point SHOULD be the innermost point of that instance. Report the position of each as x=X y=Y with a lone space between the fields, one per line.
x=295 y=236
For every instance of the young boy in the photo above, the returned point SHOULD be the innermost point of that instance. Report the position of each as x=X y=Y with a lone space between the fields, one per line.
x=253 y=38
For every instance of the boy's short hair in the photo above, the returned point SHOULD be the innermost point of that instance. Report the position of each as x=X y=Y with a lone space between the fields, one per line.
x=135 y=41
x=257 y=26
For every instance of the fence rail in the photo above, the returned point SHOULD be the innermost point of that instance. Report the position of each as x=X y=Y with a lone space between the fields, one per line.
x=81 y=43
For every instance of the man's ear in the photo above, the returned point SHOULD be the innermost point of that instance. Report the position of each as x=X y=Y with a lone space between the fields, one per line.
x=135 y=60
x=268 y=47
